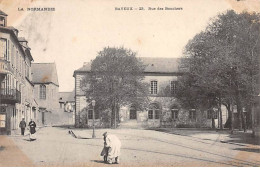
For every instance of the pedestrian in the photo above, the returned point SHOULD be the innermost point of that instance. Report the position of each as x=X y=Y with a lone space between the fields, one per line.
x=22 y=125
x=113 y=144
x=104 y=152
x=32 y=126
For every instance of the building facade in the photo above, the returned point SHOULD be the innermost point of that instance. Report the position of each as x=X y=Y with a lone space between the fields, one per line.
x=46 y=91
x=16 y=87
x=67 y=106
x=163 y=111
x=67 y=101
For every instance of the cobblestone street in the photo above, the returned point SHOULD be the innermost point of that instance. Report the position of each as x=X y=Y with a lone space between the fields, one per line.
x=56 y=147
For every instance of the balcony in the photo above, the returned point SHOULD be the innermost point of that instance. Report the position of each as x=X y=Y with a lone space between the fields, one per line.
x=11 y=96
x=4 y=66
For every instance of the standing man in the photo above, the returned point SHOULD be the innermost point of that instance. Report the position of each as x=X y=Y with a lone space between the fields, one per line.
x=22 y=125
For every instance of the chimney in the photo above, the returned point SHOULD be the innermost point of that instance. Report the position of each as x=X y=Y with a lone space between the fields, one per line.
x=15 y=32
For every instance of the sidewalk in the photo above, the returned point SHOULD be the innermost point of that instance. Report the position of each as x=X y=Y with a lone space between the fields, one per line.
x=11 y=155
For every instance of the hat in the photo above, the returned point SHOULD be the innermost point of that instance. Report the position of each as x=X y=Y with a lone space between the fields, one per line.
x=105 y=134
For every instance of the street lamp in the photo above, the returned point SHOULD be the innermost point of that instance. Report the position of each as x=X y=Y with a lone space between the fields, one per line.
x=93 y=102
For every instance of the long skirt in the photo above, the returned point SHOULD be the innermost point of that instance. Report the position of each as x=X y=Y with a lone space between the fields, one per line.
x=32 y=136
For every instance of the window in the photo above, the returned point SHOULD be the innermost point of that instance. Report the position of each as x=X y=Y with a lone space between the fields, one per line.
x=209 y=114
x=153 y=87
x=212 y=114
x=215 y=114
x=8 y=50
x=3 y=49
x=96 y=115
x=150 y=114
x=175 y=113
x=8 y=84
x=27 y=71
x=42 y=92
x=154 y=111
x=12 y=55
x=192 y=114
x=157 y=114
x=173 y=87
x=16 y=60
x=2 y=21
x=132 y=113
x=90 y=114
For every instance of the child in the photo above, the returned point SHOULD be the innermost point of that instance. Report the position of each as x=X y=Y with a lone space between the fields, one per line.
x=104 y=152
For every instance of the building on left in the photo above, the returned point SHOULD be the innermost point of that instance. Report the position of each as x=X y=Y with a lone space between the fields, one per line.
x=16 y=87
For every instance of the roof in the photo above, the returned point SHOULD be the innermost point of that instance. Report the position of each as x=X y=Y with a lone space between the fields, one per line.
x=160 y=65
x=44 y=73
x=11 y=28
x=2 y=13
x=153 y=65
x=66 y=96
x=85 y=67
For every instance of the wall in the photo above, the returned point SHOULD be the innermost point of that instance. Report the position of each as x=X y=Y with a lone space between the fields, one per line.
x=163 y=80
x=80 y=101
x=51 y=101
x=80 y=113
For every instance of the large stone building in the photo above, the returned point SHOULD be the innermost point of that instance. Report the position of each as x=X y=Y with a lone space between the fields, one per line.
x=46 y=91
x=16 y=87
x=163 y=111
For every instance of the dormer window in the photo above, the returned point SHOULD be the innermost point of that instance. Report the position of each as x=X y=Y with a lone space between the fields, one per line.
x=2 y=21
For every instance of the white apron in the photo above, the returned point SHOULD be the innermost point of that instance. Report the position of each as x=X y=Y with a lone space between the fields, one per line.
x=114 y=143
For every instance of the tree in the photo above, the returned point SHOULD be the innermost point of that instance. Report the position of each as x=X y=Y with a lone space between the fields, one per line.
x=223 y=62
x=115 y=80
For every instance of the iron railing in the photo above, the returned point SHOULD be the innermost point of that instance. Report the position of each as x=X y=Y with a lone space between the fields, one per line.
x=9 y=96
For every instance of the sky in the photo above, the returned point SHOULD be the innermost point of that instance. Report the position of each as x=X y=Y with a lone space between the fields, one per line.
x=78 y=29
